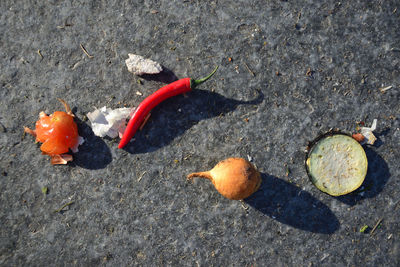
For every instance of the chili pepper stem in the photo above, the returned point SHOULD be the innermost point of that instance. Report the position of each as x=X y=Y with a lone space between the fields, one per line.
x=194 y=83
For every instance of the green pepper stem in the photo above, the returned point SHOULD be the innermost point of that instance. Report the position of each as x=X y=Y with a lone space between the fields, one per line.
x=194 y=83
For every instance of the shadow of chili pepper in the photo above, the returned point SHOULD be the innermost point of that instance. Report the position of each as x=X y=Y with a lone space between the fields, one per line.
x=175 y=115
x=93 y=153
x=377 y=176
x=290 y=205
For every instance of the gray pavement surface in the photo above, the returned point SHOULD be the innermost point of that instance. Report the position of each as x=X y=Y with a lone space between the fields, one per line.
x=289 y=70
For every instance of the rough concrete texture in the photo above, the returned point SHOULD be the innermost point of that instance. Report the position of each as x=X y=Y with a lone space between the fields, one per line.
x=289 y=70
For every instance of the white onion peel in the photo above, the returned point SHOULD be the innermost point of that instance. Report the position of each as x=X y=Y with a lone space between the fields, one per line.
x=109 y=122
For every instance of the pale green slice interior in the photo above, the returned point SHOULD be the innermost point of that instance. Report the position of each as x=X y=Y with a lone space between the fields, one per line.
x=337 y=164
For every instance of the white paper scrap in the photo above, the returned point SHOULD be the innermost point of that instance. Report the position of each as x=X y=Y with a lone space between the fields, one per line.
x=139 y=65
x=109 y=122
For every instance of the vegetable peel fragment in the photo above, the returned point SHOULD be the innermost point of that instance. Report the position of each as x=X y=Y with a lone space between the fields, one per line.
x=109 y=122
x=367 y=132
x=61 y=159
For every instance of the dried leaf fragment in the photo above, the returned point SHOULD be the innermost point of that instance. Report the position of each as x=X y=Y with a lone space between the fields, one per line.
x=45 y=190
x=363 y=229
x=384 y=89
x=139 y=65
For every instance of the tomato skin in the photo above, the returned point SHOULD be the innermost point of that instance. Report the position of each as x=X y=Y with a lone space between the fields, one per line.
x=58 y=133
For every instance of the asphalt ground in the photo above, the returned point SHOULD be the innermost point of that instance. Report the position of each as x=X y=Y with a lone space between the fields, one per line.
x=288 y=71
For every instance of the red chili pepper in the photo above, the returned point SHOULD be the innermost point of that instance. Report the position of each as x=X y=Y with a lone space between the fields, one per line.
x=170 y=90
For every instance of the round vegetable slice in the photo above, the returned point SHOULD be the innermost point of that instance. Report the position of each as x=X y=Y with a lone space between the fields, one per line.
x=336 y=164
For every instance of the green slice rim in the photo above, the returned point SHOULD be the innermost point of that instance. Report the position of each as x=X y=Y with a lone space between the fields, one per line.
x=336 y=163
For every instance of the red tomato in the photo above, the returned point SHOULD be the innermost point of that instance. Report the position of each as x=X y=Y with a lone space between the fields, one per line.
x=58 y=133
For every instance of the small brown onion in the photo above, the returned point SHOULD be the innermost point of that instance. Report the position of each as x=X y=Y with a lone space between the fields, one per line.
x=234 y=178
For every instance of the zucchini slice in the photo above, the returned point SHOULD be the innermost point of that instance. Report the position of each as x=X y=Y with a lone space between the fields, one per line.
x=336 y=164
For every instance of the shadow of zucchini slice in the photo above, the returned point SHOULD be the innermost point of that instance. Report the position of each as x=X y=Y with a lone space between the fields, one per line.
x=336 y=164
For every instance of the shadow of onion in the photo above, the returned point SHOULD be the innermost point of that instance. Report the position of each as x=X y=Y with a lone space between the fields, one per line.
x=175 y=115
x=377 y=176
x=290 y=205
